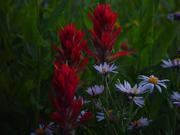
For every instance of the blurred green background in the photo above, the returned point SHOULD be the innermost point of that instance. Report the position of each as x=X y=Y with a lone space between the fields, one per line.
x=29 y=27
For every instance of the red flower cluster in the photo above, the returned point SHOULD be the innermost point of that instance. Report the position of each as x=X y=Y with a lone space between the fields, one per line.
x=70 y=60
x=72 y=44
x=67 y=107
x=104 y=34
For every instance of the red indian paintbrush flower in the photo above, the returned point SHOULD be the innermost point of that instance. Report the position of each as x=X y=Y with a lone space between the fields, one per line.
x=104 y=34
x=67 y=107
x=72 y=44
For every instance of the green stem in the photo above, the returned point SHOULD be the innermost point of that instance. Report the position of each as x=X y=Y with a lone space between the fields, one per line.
x=107 y=86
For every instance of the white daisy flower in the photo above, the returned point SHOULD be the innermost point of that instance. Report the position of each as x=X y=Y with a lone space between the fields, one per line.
x=100 y=116
x=105 y=68
x=107 y=114
x=142 y=122
x=95 y=90
x=152 y=81
x=127 y=88
x=49 y=129
x=171 y=63
x=133 y=91
x=46 y=129
x=176 y=98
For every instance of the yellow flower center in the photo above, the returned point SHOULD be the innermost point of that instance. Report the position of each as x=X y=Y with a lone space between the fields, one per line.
x=104 y=70
x=135 y=91
x=109 y=112
x=152 y=79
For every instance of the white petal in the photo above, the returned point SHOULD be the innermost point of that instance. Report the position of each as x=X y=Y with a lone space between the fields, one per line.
x=100 y=116
x=163 y=85
x=159 y=88
x=143 y=82
x=143 y=77
x=139 y=101
x=147 y=87
x=165 y=80
x=175 y=96
x=176 y=103
x=144 y=122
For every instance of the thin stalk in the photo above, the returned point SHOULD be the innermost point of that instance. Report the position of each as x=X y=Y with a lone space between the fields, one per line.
x=152 y=38
x=107 y=86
